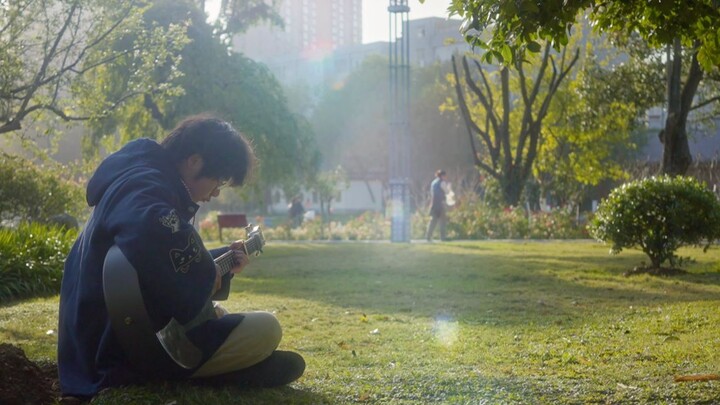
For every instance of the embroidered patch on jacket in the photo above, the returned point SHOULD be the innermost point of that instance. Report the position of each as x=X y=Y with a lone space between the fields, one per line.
x=182 y=258
x=171 y=220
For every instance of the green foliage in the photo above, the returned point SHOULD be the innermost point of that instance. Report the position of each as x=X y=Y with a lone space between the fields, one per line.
x=47 y=67
x=229 y=85
x=469 y=219
x=475 y=219
x=236 y=16
x=32 y=257
x=594 y=122
x=516 y=26
x=208 y=227
x=505 y=112
x=328 y=185
x=368 y=226
x=658 y=215
x=36 y=193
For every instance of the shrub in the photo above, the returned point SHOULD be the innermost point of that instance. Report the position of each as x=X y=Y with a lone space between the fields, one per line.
x=419 y=223
x=368 y=226
x=658 y=215
x=556 y=224
x=32 y=257
x=475 y=219
x=208 y=226
x=34 y=193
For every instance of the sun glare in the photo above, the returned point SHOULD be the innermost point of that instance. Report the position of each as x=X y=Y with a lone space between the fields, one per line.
x=445 y=330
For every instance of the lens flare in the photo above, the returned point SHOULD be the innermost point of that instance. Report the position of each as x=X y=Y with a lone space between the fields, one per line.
x=445 y=330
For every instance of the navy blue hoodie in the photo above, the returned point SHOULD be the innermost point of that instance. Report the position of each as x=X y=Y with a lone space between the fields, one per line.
x=141 y=205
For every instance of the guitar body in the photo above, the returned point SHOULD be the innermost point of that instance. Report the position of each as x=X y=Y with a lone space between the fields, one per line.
x=130 y=320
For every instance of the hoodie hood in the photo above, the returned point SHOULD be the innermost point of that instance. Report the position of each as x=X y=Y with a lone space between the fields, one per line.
x=140 y=155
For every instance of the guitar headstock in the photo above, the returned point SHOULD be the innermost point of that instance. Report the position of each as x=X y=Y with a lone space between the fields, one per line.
x=255 y=240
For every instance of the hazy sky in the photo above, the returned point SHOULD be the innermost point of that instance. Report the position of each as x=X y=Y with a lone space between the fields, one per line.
x=376 y=18
x=375 y=15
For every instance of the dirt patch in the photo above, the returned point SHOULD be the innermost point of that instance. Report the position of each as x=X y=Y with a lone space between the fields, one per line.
x=23 y=382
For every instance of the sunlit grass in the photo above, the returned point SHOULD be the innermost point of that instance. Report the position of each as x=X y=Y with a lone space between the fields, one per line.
x=461 y=322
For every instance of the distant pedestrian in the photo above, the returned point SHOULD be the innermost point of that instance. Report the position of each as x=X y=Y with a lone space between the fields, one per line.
x=438 y=206
x=296 y=211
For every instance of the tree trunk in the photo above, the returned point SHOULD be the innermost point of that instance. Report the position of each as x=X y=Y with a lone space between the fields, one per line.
x=512 y=187
x=676 y=150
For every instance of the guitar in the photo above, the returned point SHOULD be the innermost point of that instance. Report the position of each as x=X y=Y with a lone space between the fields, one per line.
x=252 y=246
x=129 y=318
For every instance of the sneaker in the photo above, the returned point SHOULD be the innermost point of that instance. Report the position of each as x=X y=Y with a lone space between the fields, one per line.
x=72 y=400
x=280 y=368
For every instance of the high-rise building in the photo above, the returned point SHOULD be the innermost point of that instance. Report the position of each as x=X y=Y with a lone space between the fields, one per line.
x=313 y=29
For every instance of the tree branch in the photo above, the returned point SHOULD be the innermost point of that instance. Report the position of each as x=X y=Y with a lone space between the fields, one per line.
x=481 y=96
x=704 y=103
x=469 y=123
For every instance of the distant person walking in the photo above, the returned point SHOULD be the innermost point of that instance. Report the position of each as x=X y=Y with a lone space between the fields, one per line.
x=438 y=207
x=296 y=211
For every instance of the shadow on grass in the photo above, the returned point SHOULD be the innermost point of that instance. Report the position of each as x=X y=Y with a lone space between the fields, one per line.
x=185 y=392
x=507 y=284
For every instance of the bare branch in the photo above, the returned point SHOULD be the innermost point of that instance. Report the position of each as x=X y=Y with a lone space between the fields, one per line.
x=481 y=96
x=704 y=103
x=504 y=135
x=469 y=123
x=541 y=74
x=536 y=125
x=691 y=84
x=486 y=84
x=46 y=61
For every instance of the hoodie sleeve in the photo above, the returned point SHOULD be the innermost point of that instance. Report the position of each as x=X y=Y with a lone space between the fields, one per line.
x=175 y=271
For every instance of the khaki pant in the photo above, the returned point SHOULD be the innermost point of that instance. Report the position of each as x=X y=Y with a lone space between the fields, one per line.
x=439 y=216
x=251 y=342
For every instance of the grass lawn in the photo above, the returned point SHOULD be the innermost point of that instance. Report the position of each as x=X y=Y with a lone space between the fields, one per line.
x=459 y=322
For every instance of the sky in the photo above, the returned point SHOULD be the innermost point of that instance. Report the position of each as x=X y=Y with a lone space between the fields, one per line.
x=376 y=19
x=375 y=15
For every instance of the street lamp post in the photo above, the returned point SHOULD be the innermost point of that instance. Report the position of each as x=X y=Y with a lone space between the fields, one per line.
x=399 y=128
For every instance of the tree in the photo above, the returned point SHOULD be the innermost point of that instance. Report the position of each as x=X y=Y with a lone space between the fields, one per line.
x=236 y=16
x=681 y=28
x=49 y=49
x=594 y=125
x=328 y=185
x=508 y=126
x=658 y=215
x=227 y=84
x=32 y=192
x=439 y=139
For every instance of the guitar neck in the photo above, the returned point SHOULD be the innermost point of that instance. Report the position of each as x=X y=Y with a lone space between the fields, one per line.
x=226 y=261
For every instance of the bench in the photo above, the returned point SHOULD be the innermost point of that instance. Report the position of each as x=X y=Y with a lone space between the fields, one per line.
x=230 y=221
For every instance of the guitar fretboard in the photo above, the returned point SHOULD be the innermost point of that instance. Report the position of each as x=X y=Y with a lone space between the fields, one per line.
x=226 y=261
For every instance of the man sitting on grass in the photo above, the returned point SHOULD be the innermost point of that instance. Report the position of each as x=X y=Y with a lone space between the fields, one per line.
x=145 y=198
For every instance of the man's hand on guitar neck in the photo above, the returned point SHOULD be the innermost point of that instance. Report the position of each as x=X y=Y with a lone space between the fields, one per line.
x=240 y=259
